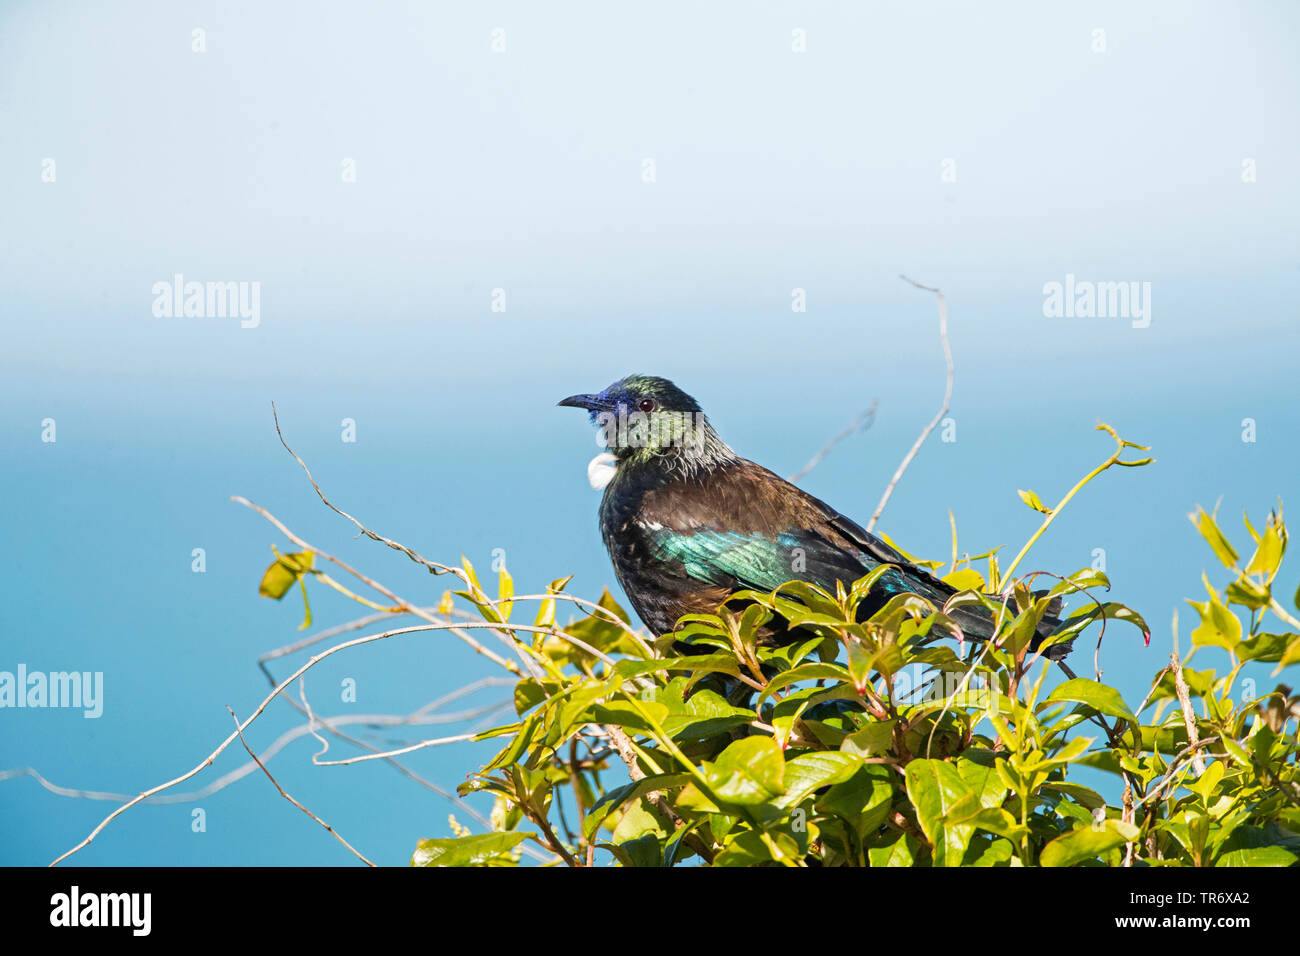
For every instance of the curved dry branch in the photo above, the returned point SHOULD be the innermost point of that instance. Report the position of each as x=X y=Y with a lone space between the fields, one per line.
x=861 y=423
x=433 y=566
x=334 y=833
x=943 y=409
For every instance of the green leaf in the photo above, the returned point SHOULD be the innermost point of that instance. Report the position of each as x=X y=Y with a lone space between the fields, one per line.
x=1099 y=697
x=749 y=772
x=476 y=850
x=505 y=591
x=1255 y=846
x=900 y=851
x=722 y=663
x=281 y=575
x=626 y=714
x=516 y=747
x=1087 y=578
x=1110 y=611
x=936 y=788
x=475 y=587
x=984 y=782
x=601 y=632
x=636 y=821
x=864 y=800
x=790 y=655
x=643 y=851
x=284 y=572
x=993 y=819
x=1291 y=655
x=704 y=714
x=965 y=579
x=812 y=671
x=1199 y=684
x=674 y=847
x=1071 y=751
x=1219 y=627
x=1257 y=856
x=1206 y=785
x=808 y=773
x=1083 y=795
x=997 y=853
x=1087 y=843
x=872 y=740
x=747 y=848
x=1268 y=554
x=1209 y=530
x=1247 y=593
x=860 y=661
x=530 y=692
x=1031 y=499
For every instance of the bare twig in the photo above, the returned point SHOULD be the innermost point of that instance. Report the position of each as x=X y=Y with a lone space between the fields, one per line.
x=1189 y=718
x=207 y=762
x=1128 y=815
x=330 y=724
x=1174 y=766
x=1154 y=684
x=597 y=610
x=1052 y=513
x=338 y=836
x=311 y=720
x=323 y=635
x=401 y=604
x=433 y=566
x=423 y=716
x=623 y=745
x=943 y=409
x=861 y=423
x=54 y=788
x=458 y=738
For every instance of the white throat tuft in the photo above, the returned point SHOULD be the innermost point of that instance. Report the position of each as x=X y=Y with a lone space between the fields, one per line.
x=600 y=470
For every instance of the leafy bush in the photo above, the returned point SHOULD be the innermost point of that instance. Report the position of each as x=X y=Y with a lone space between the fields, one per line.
x=891 y=742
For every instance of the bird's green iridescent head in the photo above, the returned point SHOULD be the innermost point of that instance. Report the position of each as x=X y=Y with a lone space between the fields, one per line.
x=643 y=417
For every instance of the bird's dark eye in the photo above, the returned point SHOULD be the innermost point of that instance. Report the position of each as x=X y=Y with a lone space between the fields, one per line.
x=646 y=404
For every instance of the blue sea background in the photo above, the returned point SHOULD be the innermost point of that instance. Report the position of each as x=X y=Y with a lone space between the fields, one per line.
x=522 y=170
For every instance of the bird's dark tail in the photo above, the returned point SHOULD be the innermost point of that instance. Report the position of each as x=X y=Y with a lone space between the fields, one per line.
x=977 y=623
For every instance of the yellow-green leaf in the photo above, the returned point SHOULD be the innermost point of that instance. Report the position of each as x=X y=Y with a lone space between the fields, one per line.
x=1209 y=530
x=1087 y=843
x=1031 y=499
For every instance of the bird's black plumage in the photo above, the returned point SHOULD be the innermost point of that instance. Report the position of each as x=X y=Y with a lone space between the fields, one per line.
x=687 y=521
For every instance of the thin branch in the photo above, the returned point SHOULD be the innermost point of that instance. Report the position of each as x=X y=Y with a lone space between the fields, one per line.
x=62 y=791
x=433 y=566
x=330 y=724
x=1154 y=684
x=1113 y=460
x=338 y=836
x=943 y=409
x=1173 y=767
x=324 y=635
x=597 y=610
x=402 y=605
x=311 y=720
x=207 y=762
x=627 y=752
x=1189 y=719
x=382 y=755
x=861 y=423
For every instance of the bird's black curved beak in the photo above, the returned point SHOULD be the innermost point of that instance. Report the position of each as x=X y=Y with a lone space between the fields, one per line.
x=592 y=403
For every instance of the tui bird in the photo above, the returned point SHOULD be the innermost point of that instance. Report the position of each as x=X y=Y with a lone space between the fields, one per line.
x=688 y=522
